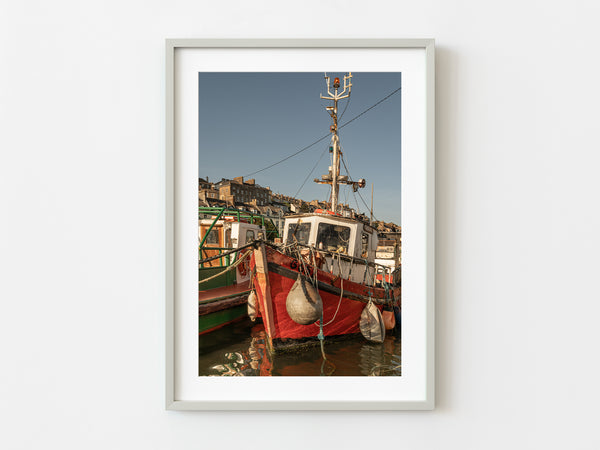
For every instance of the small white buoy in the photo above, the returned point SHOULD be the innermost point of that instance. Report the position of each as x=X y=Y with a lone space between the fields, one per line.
x=252 y=306
x=371 y=323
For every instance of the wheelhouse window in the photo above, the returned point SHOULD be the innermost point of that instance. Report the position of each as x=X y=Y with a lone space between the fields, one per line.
x=249 y=236
x=298 y=232
x=213 y=237
x=333 y=238
x=365 y=246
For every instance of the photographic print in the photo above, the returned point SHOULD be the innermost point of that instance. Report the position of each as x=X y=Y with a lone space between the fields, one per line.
x=299 y=224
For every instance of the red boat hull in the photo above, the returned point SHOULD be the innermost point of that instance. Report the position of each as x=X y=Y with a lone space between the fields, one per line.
x=343 y=300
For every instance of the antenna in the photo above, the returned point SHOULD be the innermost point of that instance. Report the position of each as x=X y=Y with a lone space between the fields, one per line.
x=333 y=177
x=371 y=222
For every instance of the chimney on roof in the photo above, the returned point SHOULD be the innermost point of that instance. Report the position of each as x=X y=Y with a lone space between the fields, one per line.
x=239 y=179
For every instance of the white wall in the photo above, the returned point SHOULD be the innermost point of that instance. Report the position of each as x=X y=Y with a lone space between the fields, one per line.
x=81 y=145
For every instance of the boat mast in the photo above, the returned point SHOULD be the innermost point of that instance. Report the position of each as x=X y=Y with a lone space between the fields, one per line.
x=333 y=177
x=336 y=96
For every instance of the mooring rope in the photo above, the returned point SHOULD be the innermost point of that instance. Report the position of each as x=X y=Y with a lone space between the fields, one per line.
x=212 y=258
x=227 y=269
x=339 y=303
x=340 y=300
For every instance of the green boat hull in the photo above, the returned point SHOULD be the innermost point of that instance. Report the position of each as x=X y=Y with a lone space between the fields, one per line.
x=213 y=321
x=225 y=279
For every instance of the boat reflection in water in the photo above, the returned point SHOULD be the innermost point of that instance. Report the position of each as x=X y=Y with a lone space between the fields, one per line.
x=239 y=349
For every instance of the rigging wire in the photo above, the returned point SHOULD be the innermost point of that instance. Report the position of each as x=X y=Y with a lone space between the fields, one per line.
x=327 y=135
x=368 y=209
x=350 y=177
x=309 y=173
x=356 y=201
x=345 y=108
x=370 y=108
x=290 y=156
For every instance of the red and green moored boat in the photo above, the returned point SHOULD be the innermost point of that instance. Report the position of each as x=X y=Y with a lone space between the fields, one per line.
x=224 y=269
x=322 y=281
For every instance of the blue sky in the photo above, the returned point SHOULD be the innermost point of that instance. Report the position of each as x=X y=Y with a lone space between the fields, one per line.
x=248 y=121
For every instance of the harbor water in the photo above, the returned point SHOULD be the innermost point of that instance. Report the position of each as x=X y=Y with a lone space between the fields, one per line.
x=239 y=349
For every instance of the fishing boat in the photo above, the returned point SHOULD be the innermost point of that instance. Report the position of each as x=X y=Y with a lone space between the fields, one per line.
x=223 y=270
x=322 y=282
x=388 y=255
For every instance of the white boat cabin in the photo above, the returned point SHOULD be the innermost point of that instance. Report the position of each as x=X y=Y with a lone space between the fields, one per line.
x=226 y=234
x=388 y=255
x=336 y=235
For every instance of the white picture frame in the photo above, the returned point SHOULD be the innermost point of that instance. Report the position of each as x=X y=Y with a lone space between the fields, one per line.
x=414 y=390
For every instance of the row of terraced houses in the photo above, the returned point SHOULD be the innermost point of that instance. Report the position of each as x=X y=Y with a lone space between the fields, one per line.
x=249 y=196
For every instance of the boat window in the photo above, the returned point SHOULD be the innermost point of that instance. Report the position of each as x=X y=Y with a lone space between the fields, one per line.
x=385 y=252
x=249 y=236
x=365 y=246
x=213 y=237
x=298 y=232
x=333 y=238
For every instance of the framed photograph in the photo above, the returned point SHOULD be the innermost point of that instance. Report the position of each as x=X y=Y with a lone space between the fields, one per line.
x=300 y=224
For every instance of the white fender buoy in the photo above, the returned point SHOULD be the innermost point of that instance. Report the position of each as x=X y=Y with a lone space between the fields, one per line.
x=371 y=324
x=252 y=306
x=303 y=303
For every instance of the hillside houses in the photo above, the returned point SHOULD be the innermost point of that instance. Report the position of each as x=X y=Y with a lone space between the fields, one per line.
x=248 y=196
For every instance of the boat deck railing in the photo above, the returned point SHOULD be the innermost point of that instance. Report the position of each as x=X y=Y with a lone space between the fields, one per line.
x=224 y=259
x=225 y=256
x=378 y=269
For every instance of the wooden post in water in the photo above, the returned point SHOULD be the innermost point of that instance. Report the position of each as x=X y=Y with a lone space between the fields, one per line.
x=262 y=280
